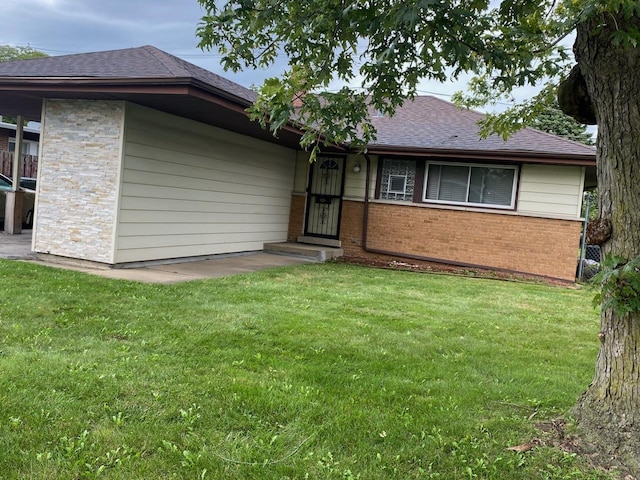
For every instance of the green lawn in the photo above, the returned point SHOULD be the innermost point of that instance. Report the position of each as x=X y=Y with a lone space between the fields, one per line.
x=319 y=371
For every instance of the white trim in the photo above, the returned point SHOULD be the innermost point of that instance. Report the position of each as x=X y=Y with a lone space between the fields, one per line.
x=27 y=129
x=494 y=211
x=582 y=179
x=115 y=228
x=34 y=231
x=397 y=192
x=511 y=206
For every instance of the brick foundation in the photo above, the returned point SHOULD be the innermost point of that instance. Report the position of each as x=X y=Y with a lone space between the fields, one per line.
x=296 y=217
x=538 y=246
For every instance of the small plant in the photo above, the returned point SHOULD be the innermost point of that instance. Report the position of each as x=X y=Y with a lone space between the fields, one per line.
x=191 y=416
x=619 y=282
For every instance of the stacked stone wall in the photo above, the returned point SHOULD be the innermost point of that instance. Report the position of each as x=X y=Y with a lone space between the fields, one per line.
x=79 y=179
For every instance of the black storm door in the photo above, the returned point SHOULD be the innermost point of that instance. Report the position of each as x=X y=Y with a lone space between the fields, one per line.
x=324 y=200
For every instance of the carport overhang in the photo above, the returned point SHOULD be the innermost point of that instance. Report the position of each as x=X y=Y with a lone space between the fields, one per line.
x=184 y=97
x=187 y=97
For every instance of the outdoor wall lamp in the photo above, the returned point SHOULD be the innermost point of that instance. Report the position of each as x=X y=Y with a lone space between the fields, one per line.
x=356 y=168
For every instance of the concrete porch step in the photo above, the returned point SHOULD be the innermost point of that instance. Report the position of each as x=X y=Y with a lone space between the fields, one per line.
x=327 y=242
x=320 y=253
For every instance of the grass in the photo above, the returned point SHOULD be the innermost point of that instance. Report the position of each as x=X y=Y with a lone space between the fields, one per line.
x=312 y=372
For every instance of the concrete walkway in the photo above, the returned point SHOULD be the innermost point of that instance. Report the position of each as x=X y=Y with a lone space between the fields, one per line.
x=18 y=247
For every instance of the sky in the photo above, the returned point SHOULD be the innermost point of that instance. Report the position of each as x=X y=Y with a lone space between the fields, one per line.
x=60 y=27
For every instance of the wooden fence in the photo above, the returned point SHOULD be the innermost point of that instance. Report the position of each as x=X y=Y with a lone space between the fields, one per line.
x=29 y=167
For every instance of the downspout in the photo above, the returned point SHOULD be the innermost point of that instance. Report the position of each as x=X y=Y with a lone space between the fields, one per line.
x=366 y=248
x=365 y=216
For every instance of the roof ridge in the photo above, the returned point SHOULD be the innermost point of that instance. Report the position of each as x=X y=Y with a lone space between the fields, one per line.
x=178 y=66
x=167 y=60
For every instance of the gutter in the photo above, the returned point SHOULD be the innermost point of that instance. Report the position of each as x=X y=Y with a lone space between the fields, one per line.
x=513 y=156
x=189 y=86
x=44 y=84
x=86 y=86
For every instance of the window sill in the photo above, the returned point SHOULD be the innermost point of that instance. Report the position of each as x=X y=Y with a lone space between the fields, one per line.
x=459 y=208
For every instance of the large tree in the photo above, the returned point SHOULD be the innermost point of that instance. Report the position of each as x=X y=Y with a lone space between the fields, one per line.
x=382 y=49
x=555 y=121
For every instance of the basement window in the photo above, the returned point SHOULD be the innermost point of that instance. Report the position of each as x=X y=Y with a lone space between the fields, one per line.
x=397 y=184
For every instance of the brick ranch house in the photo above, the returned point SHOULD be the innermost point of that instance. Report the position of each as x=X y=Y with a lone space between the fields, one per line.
x=146 y=157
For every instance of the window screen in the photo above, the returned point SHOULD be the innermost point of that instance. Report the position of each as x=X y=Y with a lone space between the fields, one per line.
x=397 y=184
x=470 y=184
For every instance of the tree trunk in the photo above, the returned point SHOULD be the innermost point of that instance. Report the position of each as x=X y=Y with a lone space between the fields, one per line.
x=609 y=411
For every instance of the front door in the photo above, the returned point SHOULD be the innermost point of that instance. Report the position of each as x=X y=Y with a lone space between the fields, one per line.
x=324 y=200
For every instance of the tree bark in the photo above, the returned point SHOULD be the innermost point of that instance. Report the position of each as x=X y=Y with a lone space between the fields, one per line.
x=609 y=411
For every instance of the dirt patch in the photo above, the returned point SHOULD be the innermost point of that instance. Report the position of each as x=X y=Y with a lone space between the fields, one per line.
x=439 y=268
x=557 y=433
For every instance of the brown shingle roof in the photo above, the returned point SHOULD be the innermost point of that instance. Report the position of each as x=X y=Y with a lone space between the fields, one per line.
x=430 y=123
x=146 y=62
x=423 y=124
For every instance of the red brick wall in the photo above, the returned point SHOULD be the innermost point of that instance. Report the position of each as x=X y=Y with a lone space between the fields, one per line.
x=296 y=217
x=538 y=246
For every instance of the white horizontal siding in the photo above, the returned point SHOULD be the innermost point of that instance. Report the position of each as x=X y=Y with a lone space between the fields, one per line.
x=194 y=250
x=223 y=183
x=550 y=190
x=139 y=192
x=194 y=241
x=205 y=228
x=354 y=183
x=302 y=172
x=190 y=189
x=164 y=205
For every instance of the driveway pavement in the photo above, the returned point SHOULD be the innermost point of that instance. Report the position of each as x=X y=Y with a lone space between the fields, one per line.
x=18 y=247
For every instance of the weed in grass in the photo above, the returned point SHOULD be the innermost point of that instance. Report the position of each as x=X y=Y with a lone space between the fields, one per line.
x=190 y=416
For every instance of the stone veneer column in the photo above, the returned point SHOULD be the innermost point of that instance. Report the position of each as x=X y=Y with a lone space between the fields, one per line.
x=79 y=178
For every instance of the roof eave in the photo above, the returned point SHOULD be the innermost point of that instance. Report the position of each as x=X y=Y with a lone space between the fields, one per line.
x=511 y=156
x=115 y=87
x=190 y=86
x=108 y=84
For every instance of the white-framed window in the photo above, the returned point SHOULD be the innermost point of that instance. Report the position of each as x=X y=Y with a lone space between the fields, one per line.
x=397 y=184
x=470 y=184
x=29 y=147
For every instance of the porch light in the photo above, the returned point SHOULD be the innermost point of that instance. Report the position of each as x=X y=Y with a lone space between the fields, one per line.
x=356 y=168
